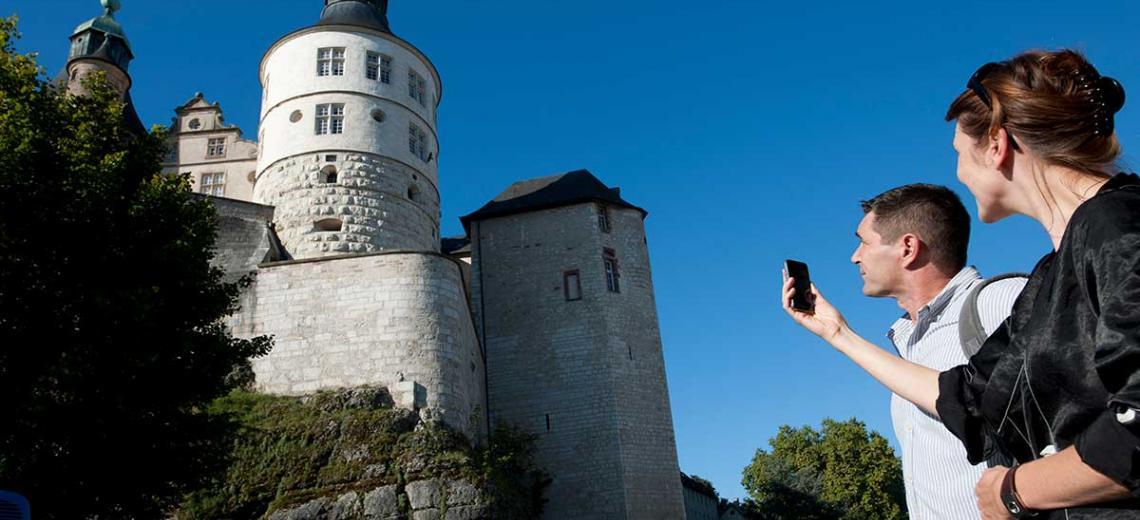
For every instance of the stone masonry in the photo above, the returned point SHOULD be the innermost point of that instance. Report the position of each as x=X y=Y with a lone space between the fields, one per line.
x=586 y=376
x=379 y=204
x=391 y=319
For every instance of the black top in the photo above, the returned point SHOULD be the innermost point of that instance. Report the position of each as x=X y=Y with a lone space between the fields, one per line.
x=372 y=14
x=1068 y=359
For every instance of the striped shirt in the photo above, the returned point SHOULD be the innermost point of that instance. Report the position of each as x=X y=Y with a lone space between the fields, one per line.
x=939 y=480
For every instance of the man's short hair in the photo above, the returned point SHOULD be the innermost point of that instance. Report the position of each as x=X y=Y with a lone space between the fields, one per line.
x=933 y=213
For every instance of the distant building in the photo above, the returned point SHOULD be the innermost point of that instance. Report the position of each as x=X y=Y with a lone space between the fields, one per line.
x=700 y=500
x=218 y=159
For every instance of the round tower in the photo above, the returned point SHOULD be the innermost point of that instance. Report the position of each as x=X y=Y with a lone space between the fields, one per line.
x=348 y=136
x=100 y=45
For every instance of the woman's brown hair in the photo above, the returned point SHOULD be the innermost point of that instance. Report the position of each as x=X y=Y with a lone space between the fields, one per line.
x=1054 y=103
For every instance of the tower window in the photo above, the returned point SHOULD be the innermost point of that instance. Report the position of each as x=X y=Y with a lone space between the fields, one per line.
x=413 y=193
x=603 y=219
x=417 y=142
x=213 y=184
x=417 y=87
x=330 y=61
x=378 y=66
x=572 y=286
x=613 y=277
x=328 y=174
x=330 y=118
x=216 y=147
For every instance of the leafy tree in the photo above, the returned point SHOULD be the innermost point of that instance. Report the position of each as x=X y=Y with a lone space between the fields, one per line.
x=111 y=344
x=839 y=472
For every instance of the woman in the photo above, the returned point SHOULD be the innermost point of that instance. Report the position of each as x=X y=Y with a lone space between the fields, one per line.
x=1058 y=386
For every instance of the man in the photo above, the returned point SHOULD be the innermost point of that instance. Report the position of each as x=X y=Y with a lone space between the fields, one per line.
x=912 y=247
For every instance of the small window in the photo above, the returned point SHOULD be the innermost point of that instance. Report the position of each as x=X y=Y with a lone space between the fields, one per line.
x=195 y=124
x=417 y=142
x=330 y=61
x=216 y=147
x=613 y=277
x=295 y=116
x=213 y=184
x=413 y=193
x=328 y=174
x=603 y=219
x=330 y=119
x=572 y=286
x=385 y=69
x=417 y=87
x=328 y=224
x=372 y=65
x=378 y=115
x=330 y=158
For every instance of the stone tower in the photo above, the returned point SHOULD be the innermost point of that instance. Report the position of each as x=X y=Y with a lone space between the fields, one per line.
x=348 y=136
x=348 y=170
x=100 y=45
x=563 y=301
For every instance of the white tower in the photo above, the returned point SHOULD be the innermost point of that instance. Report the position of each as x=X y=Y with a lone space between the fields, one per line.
x=348 y=136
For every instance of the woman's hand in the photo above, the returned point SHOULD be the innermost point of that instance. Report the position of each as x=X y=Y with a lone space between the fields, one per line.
x=988 y=492
x=825 y=322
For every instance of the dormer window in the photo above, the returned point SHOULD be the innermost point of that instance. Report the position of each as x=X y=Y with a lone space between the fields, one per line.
x=330 y=61
x=216 y=147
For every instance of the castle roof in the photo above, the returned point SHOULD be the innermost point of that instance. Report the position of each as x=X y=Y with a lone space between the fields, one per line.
x=372 y=14
x=555 y=191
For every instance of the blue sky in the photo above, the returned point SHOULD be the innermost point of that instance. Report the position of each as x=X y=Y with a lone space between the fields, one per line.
x=749 y=129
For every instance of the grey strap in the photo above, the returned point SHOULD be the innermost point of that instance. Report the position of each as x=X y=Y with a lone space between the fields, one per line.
x=971 y=333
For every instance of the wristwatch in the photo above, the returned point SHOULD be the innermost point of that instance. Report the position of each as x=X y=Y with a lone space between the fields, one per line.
x=1011 y=500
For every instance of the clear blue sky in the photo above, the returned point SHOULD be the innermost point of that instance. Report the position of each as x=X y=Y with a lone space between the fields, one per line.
x=749 y=130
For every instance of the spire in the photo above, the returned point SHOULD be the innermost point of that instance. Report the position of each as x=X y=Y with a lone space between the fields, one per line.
x=102 y=37
x=372 y=14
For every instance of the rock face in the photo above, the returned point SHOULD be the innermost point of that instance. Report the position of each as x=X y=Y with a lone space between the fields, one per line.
x=425 y=499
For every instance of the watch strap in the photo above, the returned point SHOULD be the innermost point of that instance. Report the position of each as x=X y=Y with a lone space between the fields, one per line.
x=1011 y=500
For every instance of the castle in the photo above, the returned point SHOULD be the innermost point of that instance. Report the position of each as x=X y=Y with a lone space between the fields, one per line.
x=542 y=316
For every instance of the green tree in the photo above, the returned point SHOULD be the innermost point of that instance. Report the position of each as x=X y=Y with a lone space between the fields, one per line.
x=111 y=344
x=840 y=472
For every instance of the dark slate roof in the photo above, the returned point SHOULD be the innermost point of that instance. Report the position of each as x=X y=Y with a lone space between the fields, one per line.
x=566 y=189
x=372 y=14
x=455 y=245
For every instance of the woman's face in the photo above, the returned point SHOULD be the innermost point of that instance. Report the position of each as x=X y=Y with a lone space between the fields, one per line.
x=981 y=177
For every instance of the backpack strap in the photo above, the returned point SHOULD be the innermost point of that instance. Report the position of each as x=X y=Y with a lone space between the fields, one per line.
x=971 y=333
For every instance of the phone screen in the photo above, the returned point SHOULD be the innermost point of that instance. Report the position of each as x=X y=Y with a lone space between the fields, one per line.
x=799 y=271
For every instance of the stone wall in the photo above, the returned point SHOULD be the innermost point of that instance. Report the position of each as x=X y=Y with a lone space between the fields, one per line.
x=381 y=204
x=395 y=319
x=586 y=376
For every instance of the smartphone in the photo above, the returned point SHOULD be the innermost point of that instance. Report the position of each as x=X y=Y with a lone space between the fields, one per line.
x=802 y=301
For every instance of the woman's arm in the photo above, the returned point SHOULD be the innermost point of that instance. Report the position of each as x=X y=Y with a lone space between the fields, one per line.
x=1055 y=482
x=913 y=382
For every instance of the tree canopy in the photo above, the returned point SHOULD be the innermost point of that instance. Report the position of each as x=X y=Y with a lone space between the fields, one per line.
x=840 y=472
x=111 y=339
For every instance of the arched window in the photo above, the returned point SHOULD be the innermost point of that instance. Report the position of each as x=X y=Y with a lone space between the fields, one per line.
x=413 y=193
x=328 y=174
x=328 y=224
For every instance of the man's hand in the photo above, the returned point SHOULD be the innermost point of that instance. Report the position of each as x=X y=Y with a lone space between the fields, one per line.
x=826 y=322
x=988 y=492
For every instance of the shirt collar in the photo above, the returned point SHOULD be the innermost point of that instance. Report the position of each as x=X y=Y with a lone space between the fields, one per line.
x=964 y=277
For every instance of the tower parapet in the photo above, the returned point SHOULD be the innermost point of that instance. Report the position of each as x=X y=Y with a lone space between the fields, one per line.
x=348 y=133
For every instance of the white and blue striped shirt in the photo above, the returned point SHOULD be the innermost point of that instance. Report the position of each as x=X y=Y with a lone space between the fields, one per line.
x=939 y=480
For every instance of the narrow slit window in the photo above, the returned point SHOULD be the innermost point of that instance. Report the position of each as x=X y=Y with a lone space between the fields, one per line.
x=613 y=276
x=328 y=224
x=603 y=219
x=572 y=286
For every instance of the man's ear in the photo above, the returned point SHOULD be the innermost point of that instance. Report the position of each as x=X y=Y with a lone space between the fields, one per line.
x=910 y=247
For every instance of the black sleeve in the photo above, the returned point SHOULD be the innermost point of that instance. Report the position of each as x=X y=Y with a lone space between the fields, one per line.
x=1110 y=276
x=960 y=391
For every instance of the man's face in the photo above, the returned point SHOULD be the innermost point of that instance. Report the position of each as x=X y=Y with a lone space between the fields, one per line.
x=879 y=263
